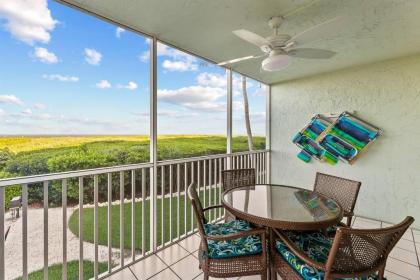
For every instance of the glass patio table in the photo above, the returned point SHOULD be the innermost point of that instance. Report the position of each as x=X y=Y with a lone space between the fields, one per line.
x=282 y=207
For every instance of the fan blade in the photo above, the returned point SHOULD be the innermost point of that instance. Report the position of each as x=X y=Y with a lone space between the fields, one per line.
x=239 y=59
x=311 y=53
x=319 y=31
x=251 y=37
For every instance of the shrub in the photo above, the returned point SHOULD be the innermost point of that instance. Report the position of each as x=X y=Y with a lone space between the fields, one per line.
x=5 y=156
x=11 y=191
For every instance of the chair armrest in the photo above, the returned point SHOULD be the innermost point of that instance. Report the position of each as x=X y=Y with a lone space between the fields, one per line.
x=212 y=207
x=299 y=253
x=260 y=232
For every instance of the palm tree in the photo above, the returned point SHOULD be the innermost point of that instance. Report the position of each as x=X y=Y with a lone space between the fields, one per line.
x=246 y=109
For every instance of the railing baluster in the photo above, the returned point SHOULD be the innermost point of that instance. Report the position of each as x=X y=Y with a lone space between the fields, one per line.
x=170 y=201
x=192 y=213
x=122 y=218
x=162 y=203
x=81 y=228
x=185 y=197
x=25 y=232
x=109 y=217
x=215 y=188
x=46 y=230
x=262 y=168
x=143 y=210
x=205 y=183
x=64 y=206
x=257 y=168
x=133 y=215
x=220 y=186
x=2 y=206
x=96 y=225
x=210 y=198
x=199 y=179
x=178 y=186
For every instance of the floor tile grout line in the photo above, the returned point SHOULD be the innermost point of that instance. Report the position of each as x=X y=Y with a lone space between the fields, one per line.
x=415 y=249
x=132 y=272
x=403 y=261
x=169 y=266
x=191 y=254
x=159 y=270
x=405 y=249
x=397 y=274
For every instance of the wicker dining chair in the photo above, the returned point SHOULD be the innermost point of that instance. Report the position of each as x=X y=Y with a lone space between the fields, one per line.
x=353 y=253
x=236 y=178
x=231 y=249
x=343 y=191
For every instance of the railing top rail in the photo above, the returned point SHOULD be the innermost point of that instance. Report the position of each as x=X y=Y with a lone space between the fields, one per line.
x=191 y=159
x=104 y=170
x=71 y=174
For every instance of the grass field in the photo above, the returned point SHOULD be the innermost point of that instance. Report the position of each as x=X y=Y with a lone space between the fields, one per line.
x=17 y=144
x=54 y=271
x=88 y=222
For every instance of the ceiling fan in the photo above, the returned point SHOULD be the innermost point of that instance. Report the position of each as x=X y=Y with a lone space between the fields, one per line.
x=281 y=48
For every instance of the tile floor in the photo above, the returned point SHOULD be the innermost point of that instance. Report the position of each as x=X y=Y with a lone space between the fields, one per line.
x=180 y=260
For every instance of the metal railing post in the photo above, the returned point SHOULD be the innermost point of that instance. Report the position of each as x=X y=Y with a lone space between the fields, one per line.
x=268 y=133
x=229 y=117
x=153 y=143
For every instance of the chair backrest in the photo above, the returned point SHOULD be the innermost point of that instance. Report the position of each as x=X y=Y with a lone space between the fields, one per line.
x=197 y=208
x=238 y=178
x=364 y=250
x=342 y=190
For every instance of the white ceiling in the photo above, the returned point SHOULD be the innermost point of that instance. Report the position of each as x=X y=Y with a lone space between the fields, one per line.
x=376 y=29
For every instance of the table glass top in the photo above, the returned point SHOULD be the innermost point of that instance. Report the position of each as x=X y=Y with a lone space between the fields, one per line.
x=282 y=203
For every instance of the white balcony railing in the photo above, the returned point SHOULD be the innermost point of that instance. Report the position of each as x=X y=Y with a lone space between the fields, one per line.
x=130 y=189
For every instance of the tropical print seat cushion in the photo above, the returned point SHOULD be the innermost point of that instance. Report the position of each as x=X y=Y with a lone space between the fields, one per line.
x=316 y=246
x=244 y=246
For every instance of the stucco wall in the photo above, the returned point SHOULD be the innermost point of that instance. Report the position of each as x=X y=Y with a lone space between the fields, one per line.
x=387 y=94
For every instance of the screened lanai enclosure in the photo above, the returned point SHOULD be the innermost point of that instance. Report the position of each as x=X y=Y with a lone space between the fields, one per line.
x=209 y=139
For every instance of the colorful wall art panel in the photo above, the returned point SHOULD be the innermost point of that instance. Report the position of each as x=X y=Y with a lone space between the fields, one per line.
x=330 y=139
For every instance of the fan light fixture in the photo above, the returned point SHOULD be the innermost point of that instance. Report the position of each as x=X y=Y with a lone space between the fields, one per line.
x=276 y=62
x=280 y=49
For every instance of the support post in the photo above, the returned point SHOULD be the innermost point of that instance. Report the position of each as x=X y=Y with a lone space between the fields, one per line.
x=153 y=143
x=229 y=117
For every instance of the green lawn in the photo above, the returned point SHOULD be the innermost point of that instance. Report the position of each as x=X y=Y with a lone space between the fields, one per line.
x=88 y=222
x=54 y=271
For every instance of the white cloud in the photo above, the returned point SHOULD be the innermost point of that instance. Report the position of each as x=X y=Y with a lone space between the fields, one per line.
x=166 y=113
x=103 y=84
x=10 y=99
x=2 y=113
x=44 y=55
x=131 y=85
x=119 y=31
x=212 y=79
x=195 y=98
x=92 y=56
x=28 y=20
x=179 y=61
x=60 y=78
x=27 y=112
x=40 y=106
x=179 y=65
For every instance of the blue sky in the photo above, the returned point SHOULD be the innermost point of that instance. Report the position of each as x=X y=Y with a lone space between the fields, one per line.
x=64 y=72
